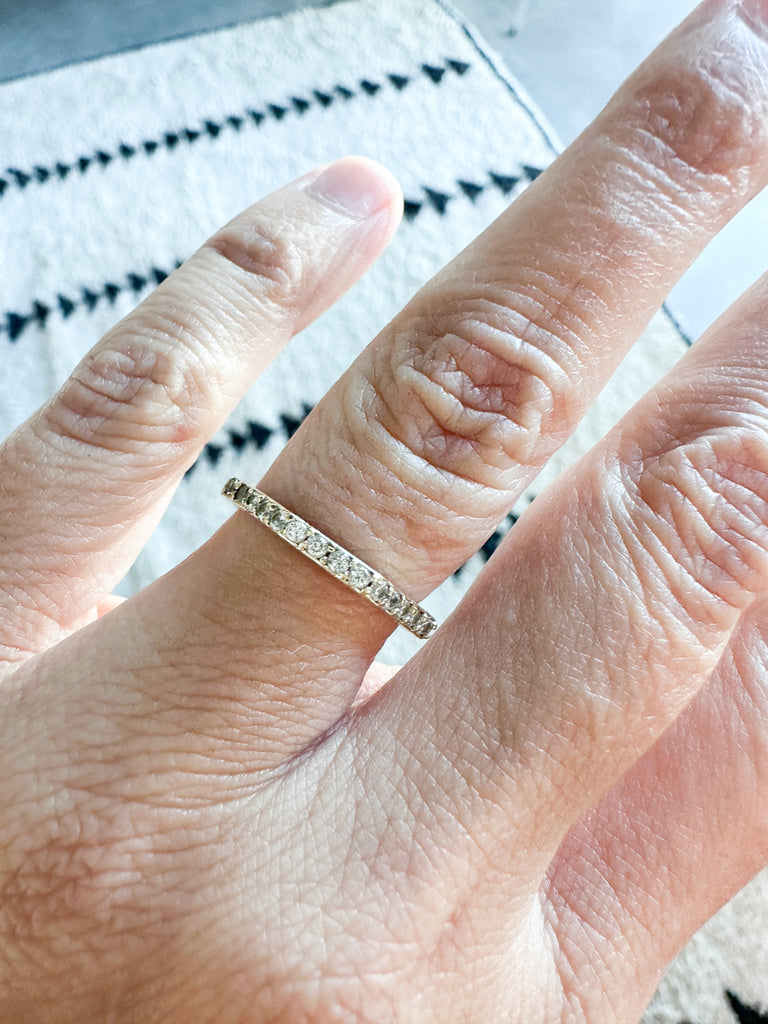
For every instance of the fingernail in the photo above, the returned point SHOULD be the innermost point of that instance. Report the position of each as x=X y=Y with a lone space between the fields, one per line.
x=353 y=186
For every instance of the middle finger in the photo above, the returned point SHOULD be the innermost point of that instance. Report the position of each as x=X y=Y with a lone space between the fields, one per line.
x=427 y=441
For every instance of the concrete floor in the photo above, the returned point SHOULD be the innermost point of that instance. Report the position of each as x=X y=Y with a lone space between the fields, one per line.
x=569 y=62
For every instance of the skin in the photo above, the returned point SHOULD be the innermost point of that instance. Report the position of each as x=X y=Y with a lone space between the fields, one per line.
x=214 y=806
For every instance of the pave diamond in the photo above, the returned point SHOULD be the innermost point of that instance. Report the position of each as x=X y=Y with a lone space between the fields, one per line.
x=254 y=503
x=424 y=626
x=359 y=576
x=332 y=557
x=379 y=591
x=279 y=519
x=295 y=531
x=266 y=510
x=409 y=614
x=337 y=562
x=315 y=546
x=415 y=622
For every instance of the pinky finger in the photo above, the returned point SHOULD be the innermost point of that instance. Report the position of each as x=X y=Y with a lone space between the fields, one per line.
x=102 y=607
x=674 y=840
x=107 y=604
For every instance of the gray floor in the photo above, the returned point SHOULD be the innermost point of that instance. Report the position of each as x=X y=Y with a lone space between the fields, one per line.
x=569 y=54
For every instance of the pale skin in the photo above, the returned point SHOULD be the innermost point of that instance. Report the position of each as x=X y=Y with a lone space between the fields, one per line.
x=213 y=807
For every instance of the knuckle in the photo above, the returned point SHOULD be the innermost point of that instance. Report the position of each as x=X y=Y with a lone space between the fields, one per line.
x=273 y=261
x=146 y=391
x=482 y=389
x=63 y=870
x=700 y=510
x=697 y=120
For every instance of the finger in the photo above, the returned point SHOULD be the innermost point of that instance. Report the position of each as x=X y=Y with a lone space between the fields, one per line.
x=682 y=832
x=444 y=420
x=605 y=609
x=102 y=606
x=107 y=604
x=87 y=477
x=430 y=437
x=377 y=676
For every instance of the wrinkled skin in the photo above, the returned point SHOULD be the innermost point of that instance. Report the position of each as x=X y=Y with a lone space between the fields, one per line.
x=213 y=807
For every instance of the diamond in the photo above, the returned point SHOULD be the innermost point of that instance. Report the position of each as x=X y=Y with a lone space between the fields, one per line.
x=254 y=502
x=359 y=576
x=409 y=614
x=338 y=562
x=315 y=546
x=417 y=620
x=242 y=492
x=379 y=591
x=425 y=626
x=394 y=602
x=266 y=510
x=279 y=520
x=231 y=486
x=295 y=531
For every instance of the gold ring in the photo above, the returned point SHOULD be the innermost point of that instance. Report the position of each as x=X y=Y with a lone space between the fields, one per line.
x=332 y=557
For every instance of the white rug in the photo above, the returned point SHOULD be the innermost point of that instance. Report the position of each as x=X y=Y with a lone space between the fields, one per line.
x=116 y=170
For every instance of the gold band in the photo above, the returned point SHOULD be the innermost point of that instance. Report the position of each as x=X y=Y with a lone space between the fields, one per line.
x=332 y=557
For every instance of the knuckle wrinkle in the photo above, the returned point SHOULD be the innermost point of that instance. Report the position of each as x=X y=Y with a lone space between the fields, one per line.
x=701 y=511
x=272 y=263
x=481 y=389
x=119 y=398
x=696 y=121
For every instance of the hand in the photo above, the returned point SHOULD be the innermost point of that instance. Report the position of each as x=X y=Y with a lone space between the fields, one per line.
x=204 y=816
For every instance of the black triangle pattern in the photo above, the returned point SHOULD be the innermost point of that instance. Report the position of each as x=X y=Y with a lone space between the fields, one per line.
x=15 y=177
x=255 y=435
x=88 y=299
x=14 y=324
x=745 y=1014
x=291 y=424
x=470 y=189
x=438 y=201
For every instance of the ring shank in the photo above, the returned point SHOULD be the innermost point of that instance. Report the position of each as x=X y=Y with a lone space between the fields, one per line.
x=332 y=557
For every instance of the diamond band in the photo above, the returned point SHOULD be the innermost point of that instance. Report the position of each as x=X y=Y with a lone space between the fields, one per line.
x=335 y=559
